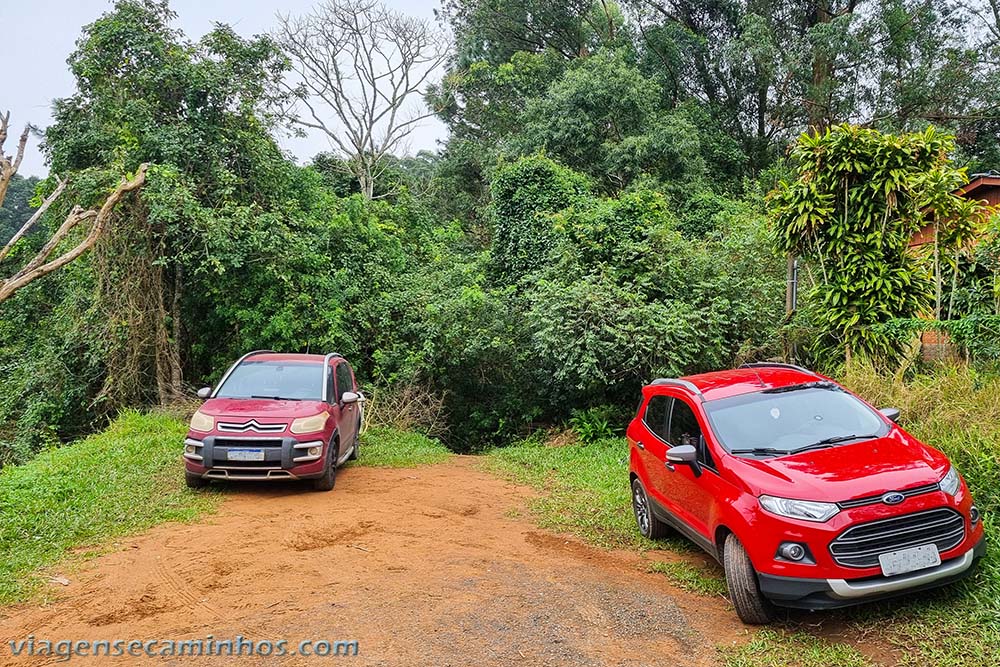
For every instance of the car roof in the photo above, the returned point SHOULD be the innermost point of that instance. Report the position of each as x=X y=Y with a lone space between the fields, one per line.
x=282 y=356
x=743 y=380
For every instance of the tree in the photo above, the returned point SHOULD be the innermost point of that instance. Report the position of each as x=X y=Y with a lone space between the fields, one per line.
x=42 y=263
x=359 y=64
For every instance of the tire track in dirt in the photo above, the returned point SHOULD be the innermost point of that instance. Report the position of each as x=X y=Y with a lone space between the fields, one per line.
x=421 y=566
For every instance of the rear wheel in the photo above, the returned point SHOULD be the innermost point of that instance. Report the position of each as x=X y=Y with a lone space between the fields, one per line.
x=194 y=480
x=744 y=588
x=329 y=478
x=649 y=525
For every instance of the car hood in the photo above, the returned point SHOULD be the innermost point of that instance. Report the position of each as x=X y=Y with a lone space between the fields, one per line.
x=264 y=408
x=843 y=472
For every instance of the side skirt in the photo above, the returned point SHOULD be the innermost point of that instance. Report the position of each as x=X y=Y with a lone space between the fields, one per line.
x=664 y=515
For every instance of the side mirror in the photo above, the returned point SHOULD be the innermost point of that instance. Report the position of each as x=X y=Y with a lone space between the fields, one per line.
x=205 y=392
x=892 y=414
x=349 y=397
x=684 y=455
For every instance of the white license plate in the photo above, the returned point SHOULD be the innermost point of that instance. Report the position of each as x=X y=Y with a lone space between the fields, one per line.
x=908 y=560
x=245 y=455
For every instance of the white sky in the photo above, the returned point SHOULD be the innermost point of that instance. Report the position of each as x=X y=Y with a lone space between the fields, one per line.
x=39 y=35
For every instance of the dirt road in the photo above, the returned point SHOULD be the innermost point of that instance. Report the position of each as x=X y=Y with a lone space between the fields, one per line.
x=426 y=566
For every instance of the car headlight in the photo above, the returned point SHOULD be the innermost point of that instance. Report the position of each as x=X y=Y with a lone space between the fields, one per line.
x=807 y=510
x=202 y=422
x=950 y=482
x=310 y=424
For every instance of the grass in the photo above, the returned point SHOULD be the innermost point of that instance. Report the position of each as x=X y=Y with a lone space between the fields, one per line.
x=383 y=447
x=116 y=483
x=771 y=648
x=585 y=494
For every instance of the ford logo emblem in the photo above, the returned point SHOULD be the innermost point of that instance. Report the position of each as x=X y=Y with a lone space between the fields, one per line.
x=893 y=498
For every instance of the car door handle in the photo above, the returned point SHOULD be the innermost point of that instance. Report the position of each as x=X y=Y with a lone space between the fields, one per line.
x=669 y=466
x=638 y=443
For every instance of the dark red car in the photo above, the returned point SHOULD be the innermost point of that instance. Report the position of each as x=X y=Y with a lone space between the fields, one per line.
x=807 y=495
x=276 y=417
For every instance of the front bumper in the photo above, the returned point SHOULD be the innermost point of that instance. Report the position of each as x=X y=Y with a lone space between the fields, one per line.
x=285 y=458
x=830 y=593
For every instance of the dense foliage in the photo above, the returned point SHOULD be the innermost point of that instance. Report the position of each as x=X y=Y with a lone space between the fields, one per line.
x=595 y=218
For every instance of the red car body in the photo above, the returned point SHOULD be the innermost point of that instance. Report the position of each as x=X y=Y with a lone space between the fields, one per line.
x=265 y=428
x=887 y=492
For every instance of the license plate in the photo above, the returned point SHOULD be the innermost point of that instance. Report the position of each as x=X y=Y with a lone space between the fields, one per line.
x=908 y=560
x=245 y=455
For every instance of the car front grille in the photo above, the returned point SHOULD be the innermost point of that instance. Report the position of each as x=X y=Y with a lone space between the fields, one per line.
x=871 y=500
x=860 y=546
x=252 y=425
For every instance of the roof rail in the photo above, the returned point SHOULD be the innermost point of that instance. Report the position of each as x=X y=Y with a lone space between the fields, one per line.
x=690 y=386
x=777 y=364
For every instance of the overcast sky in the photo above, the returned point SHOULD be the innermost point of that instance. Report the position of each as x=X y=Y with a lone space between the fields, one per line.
x=38 y=36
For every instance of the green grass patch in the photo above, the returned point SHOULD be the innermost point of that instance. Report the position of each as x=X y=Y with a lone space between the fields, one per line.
x=693 y=578
x=383 y=447
x=115 y=483
x=772 y=648
x=957 y=411
x=586 y=489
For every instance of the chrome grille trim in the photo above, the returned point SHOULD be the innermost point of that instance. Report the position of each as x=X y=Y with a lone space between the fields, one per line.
x=874 y=500
x=252 y=425
x=861 y=545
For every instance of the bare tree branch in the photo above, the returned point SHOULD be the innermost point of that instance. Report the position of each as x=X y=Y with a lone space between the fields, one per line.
x=10 y=164
x=360 y=65
x=39 y=212
x=41 y=265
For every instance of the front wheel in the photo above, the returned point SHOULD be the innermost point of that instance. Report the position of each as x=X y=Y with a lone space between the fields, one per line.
x=329 y=478
x=744 y=589
x=649 y=525
x=194 y=480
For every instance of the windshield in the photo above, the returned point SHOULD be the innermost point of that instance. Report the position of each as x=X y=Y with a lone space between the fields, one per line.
x=293 y=380
x=792 y=419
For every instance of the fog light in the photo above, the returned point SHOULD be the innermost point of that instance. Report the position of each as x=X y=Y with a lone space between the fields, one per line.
x=974 y=515
x=189 y=449
x=315 y=451
x=792 y=551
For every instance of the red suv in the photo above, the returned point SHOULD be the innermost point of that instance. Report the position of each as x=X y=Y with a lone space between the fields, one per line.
x=276 y=417
x=807 y=495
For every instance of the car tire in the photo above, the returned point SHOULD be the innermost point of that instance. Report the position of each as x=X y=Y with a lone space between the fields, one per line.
x=329 y=478
x=744 y=588
x=649 y=525
x=194 y=480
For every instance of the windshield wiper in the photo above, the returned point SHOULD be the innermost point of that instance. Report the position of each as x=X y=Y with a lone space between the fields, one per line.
x=827 y=442
x=820 y=384
x=276 y=398
x=760 y=450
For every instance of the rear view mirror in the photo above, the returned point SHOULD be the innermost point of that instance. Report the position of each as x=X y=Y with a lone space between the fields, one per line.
x=205 y=392
x=892 y=414
x=349 y=397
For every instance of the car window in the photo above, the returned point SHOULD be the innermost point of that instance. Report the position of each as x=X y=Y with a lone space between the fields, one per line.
x=657 y=412
x=684 y=428
x=344 y=379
